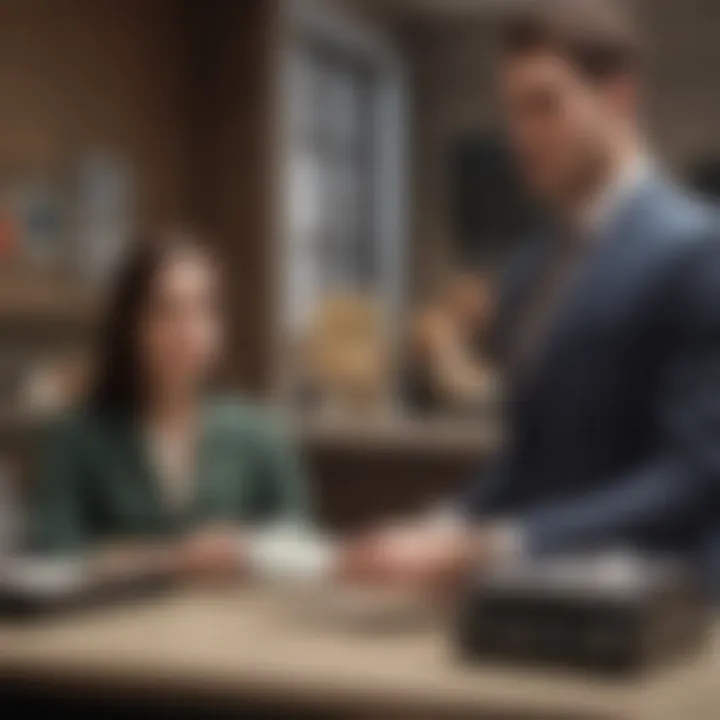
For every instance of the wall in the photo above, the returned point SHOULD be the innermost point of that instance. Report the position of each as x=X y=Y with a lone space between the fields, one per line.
x=96 y=73
x=452 y=96
x=234 y=48
x=684 y=78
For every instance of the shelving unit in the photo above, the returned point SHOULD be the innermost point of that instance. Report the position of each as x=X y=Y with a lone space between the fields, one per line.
x=36 y=300
x=41 y=315
x=15 y=422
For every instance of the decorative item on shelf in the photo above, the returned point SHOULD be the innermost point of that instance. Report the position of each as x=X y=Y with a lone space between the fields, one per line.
x=39 y=211
x=345 y=355
x=54 y=384
x=104 y=213
x=31 y=216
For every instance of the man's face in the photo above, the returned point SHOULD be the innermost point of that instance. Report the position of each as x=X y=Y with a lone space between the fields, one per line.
x=561 y=125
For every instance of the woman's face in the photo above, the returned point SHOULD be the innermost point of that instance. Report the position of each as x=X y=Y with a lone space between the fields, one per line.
x=180 y=331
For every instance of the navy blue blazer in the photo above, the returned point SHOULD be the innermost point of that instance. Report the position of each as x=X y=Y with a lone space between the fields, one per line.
x=615 y=440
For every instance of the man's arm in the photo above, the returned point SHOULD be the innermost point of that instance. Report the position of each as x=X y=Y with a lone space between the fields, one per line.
x=681 y=478
x=490 y=494
x=664 y=493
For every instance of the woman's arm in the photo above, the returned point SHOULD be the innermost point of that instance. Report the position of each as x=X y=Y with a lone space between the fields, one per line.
x=59 y=513
x=282 y=484
x=57 y=520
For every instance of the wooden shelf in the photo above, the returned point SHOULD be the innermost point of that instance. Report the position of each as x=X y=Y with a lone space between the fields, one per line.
x=403 y=434
x=18 y=422
x=391 y=434
x=46 y=300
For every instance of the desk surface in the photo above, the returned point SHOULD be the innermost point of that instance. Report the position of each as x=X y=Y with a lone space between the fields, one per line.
x=248 y=644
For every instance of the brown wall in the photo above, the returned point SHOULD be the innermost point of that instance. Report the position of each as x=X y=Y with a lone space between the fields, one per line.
x=182 y=89
x=95 y=73
x=234 y=47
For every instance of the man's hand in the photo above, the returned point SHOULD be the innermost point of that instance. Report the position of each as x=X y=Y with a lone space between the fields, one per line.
x=130 y=561
x=424 y=556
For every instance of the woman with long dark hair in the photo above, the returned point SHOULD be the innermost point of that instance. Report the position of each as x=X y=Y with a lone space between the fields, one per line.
x=149 y=458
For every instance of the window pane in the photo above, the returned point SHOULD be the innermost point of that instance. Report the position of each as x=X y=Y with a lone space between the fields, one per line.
x=332 y=214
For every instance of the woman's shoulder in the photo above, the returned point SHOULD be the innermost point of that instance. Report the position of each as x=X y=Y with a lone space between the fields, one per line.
x=81 y=424
x=67 y=423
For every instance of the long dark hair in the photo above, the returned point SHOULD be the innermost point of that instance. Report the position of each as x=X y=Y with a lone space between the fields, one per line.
x=119 y=385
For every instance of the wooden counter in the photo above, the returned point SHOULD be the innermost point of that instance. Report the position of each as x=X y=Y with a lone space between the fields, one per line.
x=244 y=645
x=473 y=438
x=362 y=470
x=366 y=470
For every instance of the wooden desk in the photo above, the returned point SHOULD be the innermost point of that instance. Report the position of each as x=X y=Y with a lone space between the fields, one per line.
x=247 y=645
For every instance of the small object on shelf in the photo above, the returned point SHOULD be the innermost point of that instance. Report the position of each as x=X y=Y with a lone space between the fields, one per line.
x=53 y=386
x=345 y=359
x=104 y=209
x=40 y=214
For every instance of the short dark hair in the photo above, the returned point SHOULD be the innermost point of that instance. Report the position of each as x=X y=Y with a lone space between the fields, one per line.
x=598 y=37
x=119 y=386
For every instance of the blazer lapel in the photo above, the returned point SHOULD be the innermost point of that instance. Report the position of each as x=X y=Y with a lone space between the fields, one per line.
x=144 y=478
x=215 y=480
x=595 y=274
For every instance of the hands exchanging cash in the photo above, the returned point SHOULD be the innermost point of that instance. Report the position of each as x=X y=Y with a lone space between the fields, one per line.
x=213 y=553
x=216 y=553
x=420 y=555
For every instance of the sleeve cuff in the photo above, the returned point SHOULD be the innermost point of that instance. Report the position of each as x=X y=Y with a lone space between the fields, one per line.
x=507 y=538
x=288 y=553
x=508 y=542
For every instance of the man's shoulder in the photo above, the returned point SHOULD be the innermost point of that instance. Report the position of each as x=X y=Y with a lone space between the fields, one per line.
x=682 y=246
x=676 y=217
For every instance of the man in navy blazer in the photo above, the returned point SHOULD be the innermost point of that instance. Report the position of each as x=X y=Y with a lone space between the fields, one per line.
x=609 y=329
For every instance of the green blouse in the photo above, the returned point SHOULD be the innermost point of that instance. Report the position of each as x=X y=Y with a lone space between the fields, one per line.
x=95 y=483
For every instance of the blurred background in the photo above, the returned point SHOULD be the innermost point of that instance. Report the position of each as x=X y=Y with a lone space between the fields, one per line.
x=344 y=159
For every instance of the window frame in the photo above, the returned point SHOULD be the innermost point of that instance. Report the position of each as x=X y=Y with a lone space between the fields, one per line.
x=314 y=22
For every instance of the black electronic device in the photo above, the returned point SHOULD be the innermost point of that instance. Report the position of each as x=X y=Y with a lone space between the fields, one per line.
x=615 y=612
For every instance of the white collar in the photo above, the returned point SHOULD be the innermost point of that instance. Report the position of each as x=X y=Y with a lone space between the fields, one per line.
x=604 y=206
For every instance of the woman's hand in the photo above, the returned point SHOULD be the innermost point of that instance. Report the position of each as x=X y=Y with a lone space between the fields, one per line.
x=215 y=554
x=134 y=561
